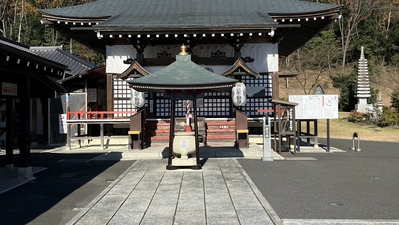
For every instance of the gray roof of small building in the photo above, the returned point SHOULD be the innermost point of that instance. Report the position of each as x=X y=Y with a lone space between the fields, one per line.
x=23 y=51
x=182 y=74
x=75 y=64
x=188 y=13
x=20 y=58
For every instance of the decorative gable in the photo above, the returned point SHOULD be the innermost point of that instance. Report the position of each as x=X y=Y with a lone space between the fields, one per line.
x=134 y=70
x=239 y=68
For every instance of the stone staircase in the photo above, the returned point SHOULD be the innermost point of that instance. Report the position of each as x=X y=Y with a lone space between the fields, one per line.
x=220 y=131
x=157 y=131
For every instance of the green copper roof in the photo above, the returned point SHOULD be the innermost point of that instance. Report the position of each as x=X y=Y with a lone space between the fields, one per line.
x=182 y=74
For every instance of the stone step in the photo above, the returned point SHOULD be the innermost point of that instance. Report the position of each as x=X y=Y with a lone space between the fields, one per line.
x=221 y=131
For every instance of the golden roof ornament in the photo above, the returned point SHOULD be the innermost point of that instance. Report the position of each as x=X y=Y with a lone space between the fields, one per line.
x=183 y=50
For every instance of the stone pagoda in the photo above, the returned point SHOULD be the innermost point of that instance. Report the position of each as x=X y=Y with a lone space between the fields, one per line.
x=363 y=85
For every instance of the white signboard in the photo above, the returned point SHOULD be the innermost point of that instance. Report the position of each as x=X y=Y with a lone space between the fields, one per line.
x=9 y=89
x=315 y=106
x=63 y=124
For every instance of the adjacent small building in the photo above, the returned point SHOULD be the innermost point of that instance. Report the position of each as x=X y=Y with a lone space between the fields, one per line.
x=24 y=76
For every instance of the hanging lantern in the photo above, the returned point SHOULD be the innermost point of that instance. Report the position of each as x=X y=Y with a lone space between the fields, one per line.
x=239 y=94
x=137 y=98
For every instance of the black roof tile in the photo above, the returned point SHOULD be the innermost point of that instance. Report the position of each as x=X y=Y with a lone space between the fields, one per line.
x=187 y=13
x=57 y=54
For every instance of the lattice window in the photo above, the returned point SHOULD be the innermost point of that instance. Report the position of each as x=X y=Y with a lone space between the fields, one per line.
x=216 y=106
x=162 y=106
x=258 y=103
x=122 y=98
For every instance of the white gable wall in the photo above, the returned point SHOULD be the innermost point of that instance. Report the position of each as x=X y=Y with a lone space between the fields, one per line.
x=265 y=55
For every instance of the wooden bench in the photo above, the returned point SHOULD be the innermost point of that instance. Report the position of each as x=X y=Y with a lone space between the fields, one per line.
x=101 y=122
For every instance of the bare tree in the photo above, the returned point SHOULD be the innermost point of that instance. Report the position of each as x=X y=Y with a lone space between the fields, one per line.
x=21 y=18
x=313 y=60
x=355 y=11
x=5 y=15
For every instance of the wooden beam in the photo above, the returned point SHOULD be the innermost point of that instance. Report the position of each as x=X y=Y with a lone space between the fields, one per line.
x=110 y=91
x=275 y=86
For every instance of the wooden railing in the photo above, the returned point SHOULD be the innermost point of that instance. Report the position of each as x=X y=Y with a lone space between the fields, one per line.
x=96 y=114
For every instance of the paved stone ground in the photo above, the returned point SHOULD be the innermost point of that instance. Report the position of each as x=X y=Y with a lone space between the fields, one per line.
x=220 y=193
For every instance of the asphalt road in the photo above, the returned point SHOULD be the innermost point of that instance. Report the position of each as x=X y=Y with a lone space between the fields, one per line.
x=351 y=185
x=58 y=193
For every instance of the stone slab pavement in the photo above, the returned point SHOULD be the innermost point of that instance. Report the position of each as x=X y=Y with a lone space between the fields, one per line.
x=147 y=193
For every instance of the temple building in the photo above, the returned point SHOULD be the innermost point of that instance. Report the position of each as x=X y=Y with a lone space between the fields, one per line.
x=240 y=39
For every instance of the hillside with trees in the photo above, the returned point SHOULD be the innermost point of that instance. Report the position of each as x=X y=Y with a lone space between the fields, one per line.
x=329 y=60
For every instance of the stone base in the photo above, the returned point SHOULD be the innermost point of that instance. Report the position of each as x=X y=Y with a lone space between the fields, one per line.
x=184 y=162
x=267 y=159
x=25 y=173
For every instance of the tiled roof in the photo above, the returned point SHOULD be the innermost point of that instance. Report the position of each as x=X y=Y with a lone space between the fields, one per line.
x=193 y=12
x=57 y=54
x=22 y=51
x=14 y=44
x=133 y=17
x=18 y=57
x=188 y=13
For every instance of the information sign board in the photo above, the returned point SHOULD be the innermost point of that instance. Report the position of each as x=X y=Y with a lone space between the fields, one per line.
x=315 y=106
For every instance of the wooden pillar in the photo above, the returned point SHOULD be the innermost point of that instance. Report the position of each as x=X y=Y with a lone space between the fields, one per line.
x=110 y=100
x=34 y=121
x=171 y=132
x=9 y=132
x=140 y=56
x=25 y=170
x=197 y=153
x=44 y=102
x=275 y=86
x=110 y=92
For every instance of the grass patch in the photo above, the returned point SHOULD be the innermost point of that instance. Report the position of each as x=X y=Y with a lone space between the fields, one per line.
x=342 y=128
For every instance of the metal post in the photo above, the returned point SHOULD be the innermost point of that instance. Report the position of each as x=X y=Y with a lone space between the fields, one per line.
x=102 y=135
x=267 y=147
x=358 y=149
x=328 y=135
